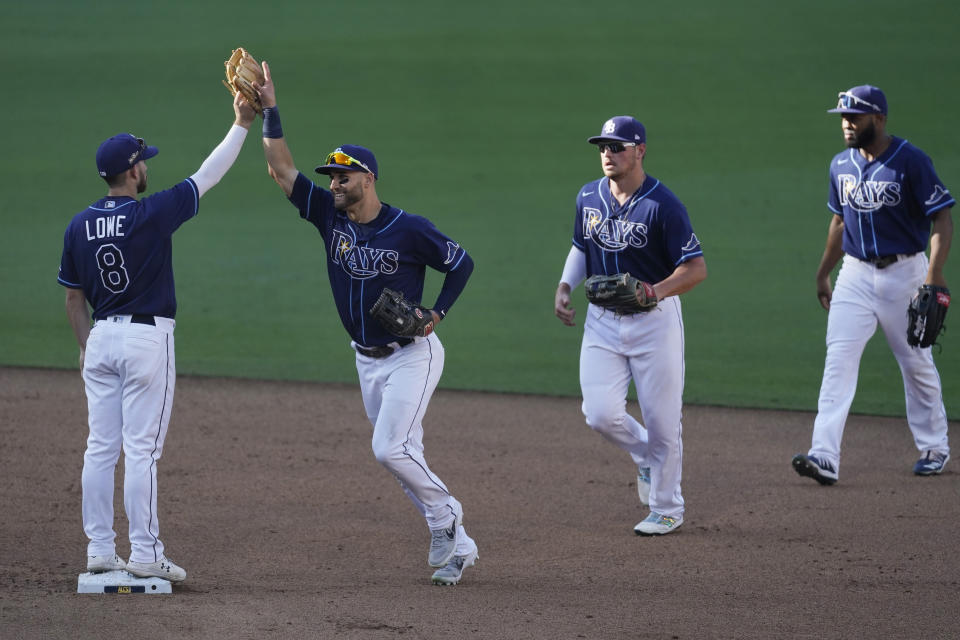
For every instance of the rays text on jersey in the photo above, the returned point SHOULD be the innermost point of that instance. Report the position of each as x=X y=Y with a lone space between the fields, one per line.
x=361 y=262
x=867 y=195
x=613 y=234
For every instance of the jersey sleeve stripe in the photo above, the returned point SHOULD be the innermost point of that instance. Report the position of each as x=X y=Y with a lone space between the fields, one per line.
x=196 y=195
x=943 y=205
x=71 y=285
x=454 y=267
x=688 y=256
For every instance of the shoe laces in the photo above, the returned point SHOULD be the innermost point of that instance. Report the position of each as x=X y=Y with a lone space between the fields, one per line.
x=933 y=458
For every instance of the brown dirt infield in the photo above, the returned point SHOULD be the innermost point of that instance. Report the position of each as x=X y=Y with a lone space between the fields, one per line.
x=288 y=528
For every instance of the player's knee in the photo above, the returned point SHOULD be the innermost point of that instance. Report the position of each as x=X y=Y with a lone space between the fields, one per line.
x=386 y=453
x=603 y=419
x=102 y=454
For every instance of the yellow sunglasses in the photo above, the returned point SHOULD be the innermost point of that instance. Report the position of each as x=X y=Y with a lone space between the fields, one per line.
x=339 y=157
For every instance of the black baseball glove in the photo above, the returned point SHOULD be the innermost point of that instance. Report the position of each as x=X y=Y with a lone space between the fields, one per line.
x=400 y=317
x=925 y=315
x=621 y=293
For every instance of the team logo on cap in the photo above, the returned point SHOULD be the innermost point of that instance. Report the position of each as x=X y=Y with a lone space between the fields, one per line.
x=610 y=126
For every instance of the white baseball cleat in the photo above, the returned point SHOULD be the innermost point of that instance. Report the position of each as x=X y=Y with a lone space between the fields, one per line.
x=643 y=485
x=657 y=524
x=443 y=542
x=450 y=574
x=162 y=568
x=100 y=564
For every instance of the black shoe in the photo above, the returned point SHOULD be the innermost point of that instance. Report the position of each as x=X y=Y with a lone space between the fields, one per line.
x=816 y=468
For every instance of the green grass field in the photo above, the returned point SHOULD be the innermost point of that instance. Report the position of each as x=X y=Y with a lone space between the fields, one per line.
x=478 y=114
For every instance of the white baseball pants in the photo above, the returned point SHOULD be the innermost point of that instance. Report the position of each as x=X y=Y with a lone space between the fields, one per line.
x=396 y=391
x=129 y=372
x=647 y=348
x=864 y=297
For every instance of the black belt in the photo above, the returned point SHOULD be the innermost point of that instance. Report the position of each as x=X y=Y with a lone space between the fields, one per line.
x=882 y=262
x=140 y=318
x=383 y=351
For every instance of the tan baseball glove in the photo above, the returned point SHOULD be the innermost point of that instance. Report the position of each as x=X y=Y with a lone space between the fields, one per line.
x=243 y=69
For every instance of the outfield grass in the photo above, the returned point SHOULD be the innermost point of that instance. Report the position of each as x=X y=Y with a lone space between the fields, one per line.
x=478 y=115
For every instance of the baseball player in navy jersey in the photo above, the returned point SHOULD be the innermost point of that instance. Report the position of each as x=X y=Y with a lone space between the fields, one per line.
x=629 y=222
x=884 y=198
x=117 y=257
x=370 y=246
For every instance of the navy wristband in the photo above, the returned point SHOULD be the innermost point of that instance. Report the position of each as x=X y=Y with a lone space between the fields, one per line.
x=271 y=123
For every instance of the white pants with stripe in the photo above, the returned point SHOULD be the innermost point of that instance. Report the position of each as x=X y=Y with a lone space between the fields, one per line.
x=129 y=372
x=863 y=298
x=646 y=348
x=396 y=391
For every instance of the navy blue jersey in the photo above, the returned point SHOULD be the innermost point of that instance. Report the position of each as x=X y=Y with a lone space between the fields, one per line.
x=119 y=251
x=648 y=237
x=393 y=251
x=886 y=204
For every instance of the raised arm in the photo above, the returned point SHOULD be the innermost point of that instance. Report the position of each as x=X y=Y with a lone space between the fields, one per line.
x=225 y=154
x=279 y=159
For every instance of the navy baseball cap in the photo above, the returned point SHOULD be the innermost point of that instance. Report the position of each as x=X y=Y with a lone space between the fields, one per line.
x=117 y=154
x=620 y=129
x=862 y=99
x=350 y=157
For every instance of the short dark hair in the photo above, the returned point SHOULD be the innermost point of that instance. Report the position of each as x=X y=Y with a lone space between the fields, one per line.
x=115 y=181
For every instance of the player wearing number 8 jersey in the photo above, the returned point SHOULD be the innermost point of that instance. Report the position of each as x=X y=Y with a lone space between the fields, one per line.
x=117 y=256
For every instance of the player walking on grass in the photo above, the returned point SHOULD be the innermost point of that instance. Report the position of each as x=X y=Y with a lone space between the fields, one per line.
x=372 y=246
x=884 y=196
x=117 y=256
x=629 y=222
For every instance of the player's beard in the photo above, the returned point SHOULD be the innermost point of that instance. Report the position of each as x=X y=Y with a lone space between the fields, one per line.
x=864 y=138
x=142 y=183
x=350 y=197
